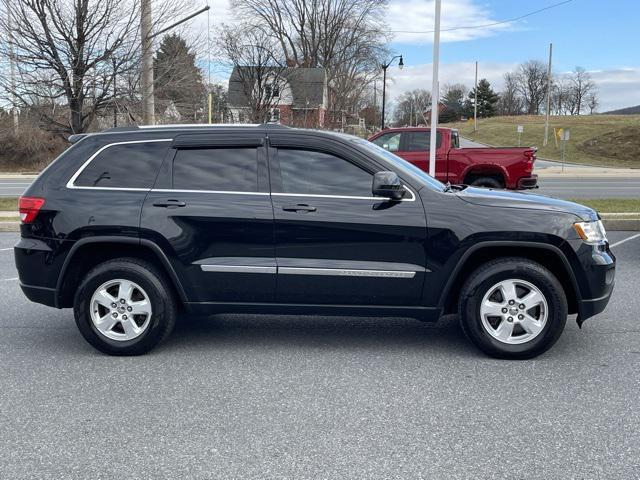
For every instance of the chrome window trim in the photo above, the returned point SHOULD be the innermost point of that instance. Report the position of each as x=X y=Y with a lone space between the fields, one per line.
x=71 y=182
x=316 y=195
x=232 y=192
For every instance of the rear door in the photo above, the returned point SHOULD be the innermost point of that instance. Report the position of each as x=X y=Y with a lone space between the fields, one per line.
x=335 y=242
x=211 y=213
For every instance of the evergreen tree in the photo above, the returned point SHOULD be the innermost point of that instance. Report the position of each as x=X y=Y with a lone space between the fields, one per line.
x=178 y=81
x=453 y=99
x=487 y=100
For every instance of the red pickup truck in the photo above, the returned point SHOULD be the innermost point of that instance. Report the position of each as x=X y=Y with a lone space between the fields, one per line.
x=508 y=167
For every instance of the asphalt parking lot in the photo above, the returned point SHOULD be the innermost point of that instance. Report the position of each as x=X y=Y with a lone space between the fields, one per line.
x=314 y=397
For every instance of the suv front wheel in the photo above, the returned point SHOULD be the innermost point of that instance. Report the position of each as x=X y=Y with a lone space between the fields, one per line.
x=125 y=307
x=513 y=308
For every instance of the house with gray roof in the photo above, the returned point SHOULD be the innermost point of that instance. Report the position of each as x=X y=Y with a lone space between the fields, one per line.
x=286 y=95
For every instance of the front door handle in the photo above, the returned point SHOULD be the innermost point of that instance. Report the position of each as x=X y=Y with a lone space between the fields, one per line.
x=171 y=203
x=301 y=207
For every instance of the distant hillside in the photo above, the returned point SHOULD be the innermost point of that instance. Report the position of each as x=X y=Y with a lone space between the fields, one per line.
x=625 y=111
x=604 y=140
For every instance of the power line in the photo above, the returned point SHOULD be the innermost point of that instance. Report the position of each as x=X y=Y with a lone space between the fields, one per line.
x=472 y=27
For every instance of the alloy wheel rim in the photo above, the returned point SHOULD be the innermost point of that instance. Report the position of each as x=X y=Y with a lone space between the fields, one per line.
x=120 y=310
x=514 y=311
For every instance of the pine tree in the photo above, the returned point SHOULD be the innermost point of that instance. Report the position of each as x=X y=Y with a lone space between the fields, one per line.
x=487 y=100
x=178 y=81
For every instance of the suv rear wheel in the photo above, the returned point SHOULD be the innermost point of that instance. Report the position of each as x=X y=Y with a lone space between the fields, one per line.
x=125 y=307
x=513 y=308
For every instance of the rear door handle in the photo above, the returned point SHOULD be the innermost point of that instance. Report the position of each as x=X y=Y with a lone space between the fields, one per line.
x=301 y=207
x=169 y=203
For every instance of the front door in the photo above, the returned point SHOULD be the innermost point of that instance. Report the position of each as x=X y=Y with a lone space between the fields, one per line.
x=211 y=213
x=335 y=242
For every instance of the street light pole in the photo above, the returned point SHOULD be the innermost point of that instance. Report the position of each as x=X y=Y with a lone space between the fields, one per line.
x=384 y=83
x=435 y=94
x=546 y=121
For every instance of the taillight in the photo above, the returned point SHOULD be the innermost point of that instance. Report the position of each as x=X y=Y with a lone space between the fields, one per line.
x=29 y=208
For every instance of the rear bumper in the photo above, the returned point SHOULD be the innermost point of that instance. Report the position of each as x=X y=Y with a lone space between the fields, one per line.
x=528 y=182
x=44 y=295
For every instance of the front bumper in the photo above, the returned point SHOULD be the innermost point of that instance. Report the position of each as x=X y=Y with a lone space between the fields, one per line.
x=600 y=270
x=528 y=182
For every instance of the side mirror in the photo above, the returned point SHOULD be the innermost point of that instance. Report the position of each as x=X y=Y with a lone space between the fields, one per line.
x=387 y=184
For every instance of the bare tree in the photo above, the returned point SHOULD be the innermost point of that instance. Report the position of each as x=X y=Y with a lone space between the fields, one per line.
x=582 y=85
x=69 y=54
x=411 y=107
x=259 y=74
x=345 y=37
x=510 y=102
x=531 y=84
x=592 y=101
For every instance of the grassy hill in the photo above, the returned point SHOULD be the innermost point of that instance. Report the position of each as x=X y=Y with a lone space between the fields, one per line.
x=601 y=140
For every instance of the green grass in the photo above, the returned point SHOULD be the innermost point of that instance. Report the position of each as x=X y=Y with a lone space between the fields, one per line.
x=611 y=205
x=599 y=140
x=8 y=203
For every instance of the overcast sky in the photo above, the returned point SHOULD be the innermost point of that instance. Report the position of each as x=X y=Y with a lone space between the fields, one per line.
x=602 y=37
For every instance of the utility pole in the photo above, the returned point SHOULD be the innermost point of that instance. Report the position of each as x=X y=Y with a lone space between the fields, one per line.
x=146 y=75
x=12 y=71
x=475 y=102
x=115 y=92
x=384 y=83
x=435 y=93
x=546 y=121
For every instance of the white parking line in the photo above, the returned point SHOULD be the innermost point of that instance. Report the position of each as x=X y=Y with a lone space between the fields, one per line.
x=625 y=240
x=5 y=249
x=8 y=279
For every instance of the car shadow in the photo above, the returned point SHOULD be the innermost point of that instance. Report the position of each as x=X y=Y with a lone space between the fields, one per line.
x=239 y=331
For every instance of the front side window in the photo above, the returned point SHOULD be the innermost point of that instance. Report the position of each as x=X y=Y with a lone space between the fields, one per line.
x=219 y=169
x=389 y=141
x=131 y=165
x=317 y=173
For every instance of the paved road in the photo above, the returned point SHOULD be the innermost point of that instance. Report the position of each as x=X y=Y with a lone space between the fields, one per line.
x=312 y=397
x=13 y=187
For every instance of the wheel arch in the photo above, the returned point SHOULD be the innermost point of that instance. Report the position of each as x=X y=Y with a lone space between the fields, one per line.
x=474 y=172
x=547 y=255
x=88 y=252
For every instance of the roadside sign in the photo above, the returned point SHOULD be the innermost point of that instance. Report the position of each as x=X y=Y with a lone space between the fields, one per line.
x=566 y=134
x=520 y=129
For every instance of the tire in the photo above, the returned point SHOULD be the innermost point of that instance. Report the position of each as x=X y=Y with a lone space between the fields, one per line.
x=145 y=291
x=483 y=294
x=488 y=182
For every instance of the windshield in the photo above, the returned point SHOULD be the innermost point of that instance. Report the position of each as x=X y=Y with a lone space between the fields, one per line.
x=402 y=165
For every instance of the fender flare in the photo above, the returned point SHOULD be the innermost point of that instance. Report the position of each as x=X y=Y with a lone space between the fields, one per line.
x=488 y=244
x=166 y=264
x=484 y=166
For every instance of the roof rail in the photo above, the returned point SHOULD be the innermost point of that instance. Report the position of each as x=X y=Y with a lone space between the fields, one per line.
x=76 y=137
x=128 y=128
x=272 y=125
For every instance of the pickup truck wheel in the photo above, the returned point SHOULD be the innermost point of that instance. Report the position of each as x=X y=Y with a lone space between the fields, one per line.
x=513 y=308
x=125 y=307
x=487 y=182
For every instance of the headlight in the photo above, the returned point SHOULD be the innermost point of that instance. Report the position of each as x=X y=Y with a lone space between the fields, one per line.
x=591 y=232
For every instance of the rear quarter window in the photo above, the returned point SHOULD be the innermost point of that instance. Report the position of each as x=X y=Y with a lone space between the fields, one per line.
x=126 y=165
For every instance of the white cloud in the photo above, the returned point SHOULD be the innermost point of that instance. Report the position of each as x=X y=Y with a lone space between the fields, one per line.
x=617 y=88
x=412 y=15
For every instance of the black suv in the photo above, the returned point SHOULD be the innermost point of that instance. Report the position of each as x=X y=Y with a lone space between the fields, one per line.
x=133 y=224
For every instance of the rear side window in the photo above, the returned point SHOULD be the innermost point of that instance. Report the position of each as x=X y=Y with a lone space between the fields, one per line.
x=313 y=173
x=131 y=165
x=220 y=169
x=419 y=141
